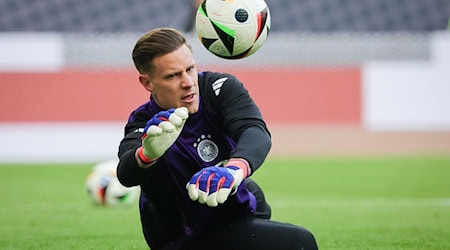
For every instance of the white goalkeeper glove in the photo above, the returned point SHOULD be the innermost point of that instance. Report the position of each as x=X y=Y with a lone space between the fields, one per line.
x=160 y=133
x=213 y=185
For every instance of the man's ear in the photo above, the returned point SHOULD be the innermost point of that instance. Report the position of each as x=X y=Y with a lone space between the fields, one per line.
x=144 y=79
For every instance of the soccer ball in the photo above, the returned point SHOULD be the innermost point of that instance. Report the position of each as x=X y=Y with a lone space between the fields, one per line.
x=232 y=29
x=104 y=188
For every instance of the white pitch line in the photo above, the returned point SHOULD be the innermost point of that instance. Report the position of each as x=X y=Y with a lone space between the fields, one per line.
x=405 y=202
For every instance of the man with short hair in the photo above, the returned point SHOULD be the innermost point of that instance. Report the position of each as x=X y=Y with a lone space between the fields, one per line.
x=191 y=148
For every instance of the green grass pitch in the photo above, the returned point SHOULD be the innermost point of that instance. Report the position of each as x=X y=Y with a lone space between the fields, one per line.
x=349 y=203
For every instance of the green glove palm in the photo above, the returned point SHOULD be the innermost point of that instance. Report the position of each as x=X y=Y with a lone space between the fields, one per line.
x=161 y=131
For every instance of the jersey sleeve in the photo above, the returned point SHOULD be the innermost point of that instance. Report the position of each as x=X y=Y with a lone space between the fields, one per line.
x=133 y=131
x=128 y=171
x=240 y=115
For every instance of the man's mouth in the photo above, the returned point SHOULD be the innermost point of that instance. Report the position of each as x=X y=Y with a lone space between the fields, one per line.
x=188 y=97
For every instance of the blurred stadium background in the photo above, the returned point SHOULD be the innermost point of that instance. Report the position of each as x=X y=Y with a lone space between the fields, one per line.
x=342 y=76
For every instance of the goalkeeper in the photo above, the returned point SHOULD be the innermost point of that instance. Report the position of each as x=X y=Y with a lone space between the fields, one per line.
x=192 y=148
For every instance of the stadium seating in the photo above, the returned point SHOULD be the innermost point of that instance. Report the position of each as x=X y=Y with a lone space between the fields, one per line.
x=287 y=15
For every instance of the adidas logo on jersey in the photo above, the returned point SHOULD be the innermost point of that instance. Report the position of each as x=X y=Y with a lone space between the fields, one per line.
x=218 y=84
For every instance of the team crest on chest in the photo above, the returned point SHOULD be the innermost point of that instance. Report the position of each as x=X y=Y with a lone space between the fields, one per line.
x=206 y=148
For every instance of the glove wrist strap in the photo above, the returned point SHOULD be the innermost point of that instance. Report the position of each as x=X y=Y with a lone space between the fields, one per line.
x=143 y=158
x=240 y=163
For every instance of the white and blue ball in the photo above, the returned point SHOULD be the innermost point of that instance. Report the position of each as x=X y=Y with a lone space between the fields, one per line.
x=232 y=29
x=104 y=188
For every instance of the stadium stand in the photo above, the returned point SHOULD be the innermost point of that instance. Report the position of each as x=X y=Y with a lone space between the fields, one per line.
x=288 y=15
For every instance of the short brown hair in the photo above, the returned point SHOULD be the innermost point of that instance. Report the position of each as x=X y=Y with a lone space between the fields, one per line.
x=156 y=42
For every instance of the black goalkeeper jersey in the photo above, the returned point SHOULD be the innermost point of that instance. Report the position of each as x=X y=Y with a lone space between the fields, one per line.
x=228 y=124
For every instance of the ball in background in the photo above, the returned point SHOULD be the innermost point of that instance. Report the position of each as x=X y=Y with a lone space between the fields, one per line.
x=232 y=29
x=104 y=188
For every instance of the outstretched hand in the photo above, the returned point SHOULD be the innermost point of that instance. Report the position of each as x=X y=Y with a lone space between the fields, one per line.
x=213 y=185
x=161 y=132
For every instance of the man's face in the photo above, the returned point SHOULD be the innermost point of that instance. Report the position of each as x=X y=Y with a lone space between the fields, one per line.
x=174 y=81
